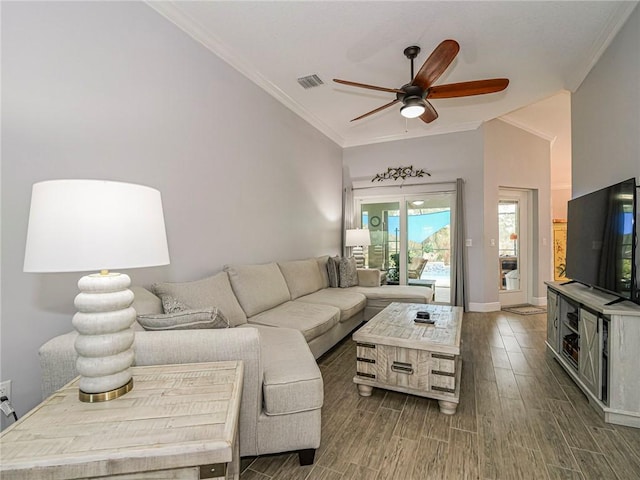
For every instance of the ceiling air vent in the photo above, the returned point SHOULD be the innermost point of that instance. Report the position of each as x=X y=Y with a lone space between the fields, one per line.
x=310 y=81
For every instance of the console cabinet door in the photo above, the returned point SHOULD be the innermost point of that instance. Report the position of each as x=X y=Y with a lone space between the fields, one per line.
x=589 y=360
x=552 y=319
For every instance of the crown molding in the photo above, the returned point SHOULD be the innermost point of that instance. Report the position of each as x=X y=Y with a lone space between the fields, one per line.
x=527 y=128
x=173 y=13
x=611 y=28
x=460 y=127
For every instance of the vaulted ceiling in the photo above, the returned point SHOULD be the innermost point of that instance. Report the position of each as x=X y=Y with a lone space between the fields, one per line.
x=542 y=47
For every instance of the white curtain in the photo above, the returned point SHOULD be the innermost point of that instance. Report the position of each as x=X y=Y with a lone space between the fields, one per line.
x=348 y=216
x=459 y=262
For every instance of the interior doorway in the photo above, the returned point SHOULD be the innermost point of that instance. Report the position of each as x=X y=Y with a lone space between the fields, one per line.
x=513 y=247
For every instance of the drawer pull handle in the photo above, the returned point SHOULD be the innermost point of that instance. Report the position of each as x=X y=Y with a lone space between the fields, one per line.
x=440 y=372
x=365 y=360
x=443 y=389
x=368 y=375
x=366 y=345
x=443 y=356
x=214 y=470
x=401 y=367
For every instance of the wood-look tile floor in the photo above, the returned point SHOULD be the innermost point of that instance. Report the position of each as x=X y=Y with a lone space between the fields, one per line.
x=520 y=417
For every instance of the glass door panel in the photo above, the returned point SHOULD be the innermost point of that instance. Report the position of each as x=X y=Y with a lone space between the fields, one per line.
x=513 y=247
x=508 y=234
x=382 y=220
x=429 y=242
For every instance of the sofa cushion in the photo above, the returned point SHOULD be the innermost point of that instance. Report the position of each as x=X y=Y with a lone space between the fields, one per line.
x=258 y=287
x=324 y=273
x=311 y=319
x=369 y=277
x=212 y=291
x=385 y=294
x=184 y=320
x=144 y=301
x=292 y=381
x=302 y=277
x=349 y=302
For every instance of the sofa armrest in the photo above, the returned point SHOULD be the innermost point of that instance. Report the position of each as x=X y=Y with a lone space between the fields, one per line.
x=57 y=362
x=369 y=277
x=58 y=357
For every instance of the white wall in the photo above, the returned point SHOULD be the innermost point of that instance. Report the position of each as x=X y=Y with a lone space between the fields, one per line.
x=445 y=157
x=605 y=115
x=112 y=90
x=518 y=159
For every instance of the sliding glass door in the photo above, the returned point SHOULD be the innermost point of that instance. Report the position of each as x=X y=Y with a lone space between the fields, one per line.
x=411 y=239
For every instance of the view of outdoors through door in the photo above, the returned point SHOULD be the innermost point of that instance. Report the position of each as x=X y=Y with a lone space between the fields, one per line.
x=512 y=247
x=429 y=243
x=411 y=240
x=385 y=239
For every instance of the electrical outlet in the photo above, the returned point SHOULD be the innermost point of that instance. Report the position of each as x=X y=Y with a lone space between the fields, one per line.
x=5 y=389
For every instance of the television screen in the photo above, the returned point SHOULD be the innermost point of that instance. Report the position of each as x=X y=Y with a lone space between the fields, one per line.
x=601 y=240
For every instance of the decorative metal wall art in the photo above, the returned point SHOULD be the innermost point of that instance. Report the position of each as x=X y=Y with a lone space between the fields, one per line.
x=399 y=172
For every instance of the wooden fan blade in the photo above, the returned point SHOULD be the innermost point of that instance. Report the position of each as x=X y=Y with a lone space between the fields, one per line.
x=467 y=89
x=436 y=64
x=376 y=110
x=370 y=87
x=429 y=114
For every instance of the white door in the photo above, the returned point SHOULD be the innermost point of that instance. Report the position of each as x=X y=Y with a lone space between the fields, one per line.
x=513 y=247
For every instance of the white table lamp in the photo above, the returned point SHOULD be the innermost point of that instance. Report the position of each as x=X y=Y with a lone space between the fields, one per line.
x=358 y=238
x=96 y=225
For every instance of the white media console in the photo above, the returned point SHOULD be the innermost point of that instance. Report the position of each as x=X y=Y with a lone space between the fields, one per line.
x=598 y=344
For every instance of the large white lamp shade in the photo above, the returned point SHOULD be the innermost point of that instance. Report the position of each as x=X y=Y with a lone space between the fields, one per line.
x=89 y=225
x=357 y=238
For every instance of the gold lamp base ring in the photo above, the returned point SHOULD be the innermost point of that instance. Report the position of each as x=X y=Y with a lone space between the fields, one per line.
x=105 y=396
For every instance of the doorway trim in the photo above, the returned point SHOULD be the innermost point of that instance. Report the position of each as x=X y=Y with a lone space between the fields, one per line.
x=525 y=244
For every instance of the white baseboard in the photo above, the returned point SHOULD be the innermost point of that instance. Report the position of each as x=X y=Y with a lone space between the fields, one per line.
x=539 y=301
x=484 y=307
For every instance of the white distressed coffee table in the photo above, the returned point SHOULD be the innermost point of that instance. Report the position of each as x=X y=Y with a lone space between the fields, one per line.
x=395 y=353
x=178 y=422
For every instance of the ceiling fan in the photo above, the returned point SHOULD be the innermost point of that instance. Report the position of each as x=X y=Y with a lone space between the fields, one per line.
x=414 y=95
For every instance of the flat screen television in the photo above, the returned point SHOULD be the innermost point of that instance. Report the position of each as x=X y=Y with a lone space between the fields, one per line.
x=602 y=241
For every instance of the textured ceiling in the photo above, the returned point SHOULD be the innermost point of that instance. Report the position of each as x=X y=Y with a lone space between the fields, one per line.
x=542 y=47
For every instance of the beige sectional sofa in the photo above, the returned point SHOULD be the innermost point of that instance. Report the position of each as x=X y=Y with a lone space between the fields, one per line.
x=284 y=315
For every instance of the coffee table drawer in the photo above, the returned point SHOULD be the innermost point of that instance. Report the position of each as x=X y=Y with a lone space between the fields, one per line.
x=403 y=367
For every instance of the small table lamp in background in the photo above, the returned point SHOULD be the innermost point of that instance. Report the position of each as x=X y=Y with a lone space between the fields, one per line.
x=96 y=225
x=358 y=238
x=514 y=238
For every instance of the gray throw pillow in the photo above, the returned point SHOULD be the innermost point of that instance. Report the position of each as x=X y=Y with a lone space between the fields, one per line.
x=184 y=320
x=215 y=290
x=173 y=305
x=348 y=272
x=333 y=269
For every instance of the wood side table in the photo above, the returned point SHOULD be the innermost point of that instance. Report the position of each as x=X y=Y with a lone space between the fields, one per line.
x=179 y=422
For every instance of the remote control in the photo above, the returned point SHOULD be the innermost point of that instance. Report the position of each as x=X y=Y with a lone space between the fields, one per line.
x=424 y=320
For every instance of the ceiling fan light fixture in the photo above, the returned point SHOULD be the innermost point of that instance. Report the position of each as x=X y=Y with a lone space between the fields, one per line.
x=413 y=107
